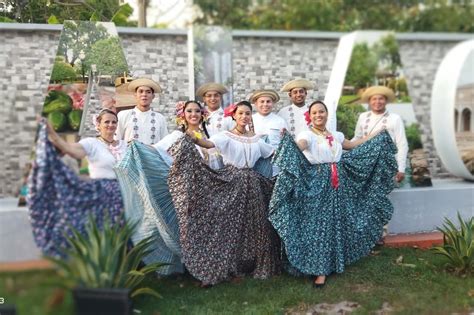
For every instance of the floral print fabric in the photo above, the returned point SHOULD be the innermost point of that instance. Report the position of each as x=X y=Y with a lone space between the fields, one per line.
x=223 y=218
x=324 y=229
x=58 y=198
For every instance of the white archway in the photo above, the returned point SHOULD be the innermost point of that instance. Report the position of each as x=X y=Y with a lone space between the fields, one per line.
x=466 y=118
x=443 y=99
x=456 y=122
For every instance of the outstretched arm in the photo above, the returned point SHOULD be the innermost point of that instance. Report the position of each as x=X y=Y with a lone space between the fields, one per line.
x=73 y=149
x=302 y=144
x=348 y=145
x=200 y=141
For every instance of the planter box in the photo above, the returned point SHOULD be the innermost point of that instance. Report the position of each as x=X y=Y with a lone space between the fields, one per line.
x=102 y=301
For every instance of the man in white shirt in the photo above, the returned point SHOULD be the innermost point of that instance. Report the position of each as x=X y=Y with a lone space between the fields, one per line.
x=266 y=122
x=211 y=94
x=294 y=113
x=378 y=118
x=142 y=123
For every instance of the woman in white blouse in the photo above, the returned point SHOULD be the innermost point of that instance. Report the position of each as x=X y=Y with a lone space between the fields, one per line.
x=190 y=117
x=102 y=152
x=223 y=213
x=329 y=206
x=58 y=198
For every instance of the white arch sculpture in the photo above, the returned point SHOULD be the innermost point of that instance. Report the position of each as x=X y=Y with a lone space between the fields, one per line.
x=443 y=98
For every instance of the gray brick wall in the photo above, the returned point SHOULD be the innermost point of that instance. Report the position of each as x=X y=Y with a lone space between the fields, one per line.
x=420 y=60
x=26 y=61
x=270 y=63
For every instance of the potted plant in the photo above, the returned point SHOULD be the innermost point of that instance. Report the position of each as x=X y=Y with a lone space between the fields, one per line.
x=103 y=270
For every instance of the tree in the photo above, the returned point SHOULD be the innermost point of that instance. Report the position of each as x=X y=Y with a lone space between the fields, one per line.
x=362 y=67
x=107 y=55
x=386 y=51
x=341 y=15
x=77 y=37
x=231 y=13
x=441 y=16
x=40 y=11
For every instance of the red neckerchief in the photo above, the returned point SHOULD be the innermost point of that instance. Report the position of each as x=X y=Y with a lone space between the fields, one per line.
x=334 y=174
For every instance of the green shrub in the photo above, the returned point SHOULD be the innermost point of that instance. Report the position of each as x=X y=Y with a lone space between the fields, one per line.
x=458 y=246
x=347 y=115
x=413 y=137
x=62 y=71
x=101 y=258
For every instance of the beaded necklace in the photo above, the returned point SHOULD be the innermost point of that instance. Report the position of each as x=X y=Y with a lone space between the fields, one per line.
x=219 y=119
x=382 y=119
x=330 y=139
x=292 y=119
x=135 y=126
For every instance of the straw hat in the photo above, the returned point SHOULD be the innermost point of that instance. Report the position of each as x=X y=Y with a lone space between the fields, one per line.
x=270 y=93
x=212 y=86
x=378 y=90
x=299 y=83
x=132 y=86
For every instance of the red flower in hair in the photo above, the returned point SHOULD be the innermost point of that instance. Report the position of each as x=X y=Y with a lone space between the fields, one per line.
x=229 y=110
x=307 y=118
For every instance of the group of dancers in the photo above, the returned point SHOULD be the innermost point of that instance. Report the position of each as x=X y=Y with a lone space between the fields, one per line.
x=231 y=191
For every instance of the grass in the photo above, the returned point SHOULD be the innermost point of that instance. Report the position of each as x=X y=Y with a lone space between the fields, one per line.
x=418 y=285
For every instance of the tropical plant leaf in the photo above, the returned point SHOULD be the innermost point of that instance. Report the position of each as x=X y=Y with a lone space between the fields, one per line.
x=146 y=290
x=458 y=245
x=101 y=257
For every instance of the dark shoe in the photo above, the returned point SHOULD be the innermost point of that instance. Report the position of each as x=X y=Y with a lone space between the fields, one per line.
x=318 y=285
x=205 y=286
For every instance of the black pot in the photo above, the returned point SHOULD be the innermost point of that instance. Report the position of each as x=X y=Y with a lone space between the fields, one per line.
x=102 y=301
x=7 y=309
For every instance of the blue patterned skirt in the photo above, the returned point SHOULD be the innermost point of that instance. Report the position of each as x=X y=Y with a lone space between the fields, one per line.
x=143 y=175
x=58 y=198
x=324 y=229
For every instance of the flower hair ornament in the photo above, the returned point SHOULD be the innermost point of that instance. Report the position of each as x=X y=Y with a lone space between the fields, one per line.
x=205 y=114
x=307 y=118
x=229 y=110
x=179 y=112
x=95 y=122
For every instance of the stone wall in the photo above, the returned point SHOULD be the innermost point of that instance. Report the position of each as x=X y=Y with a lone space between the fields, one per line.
x=420 y=70
x=260 y=60
x=26 y=61
x=268 y=63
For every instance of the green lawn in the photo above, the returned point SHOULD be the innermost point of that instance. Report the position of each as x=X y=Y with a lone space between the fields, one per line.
x=417 y=286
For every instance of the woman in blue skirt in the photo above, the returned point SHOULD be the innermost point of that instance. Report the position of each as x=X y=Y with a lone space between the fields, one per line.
x=58 y=198
x=329 y=206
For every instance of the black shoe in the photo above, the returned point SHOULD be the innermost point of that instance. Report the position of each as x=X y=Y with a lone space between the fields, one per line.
x=319 y=285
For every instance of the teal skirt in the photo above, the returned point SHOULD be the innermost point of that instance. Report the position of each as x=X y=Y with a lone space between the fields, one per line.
x=323 y=229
